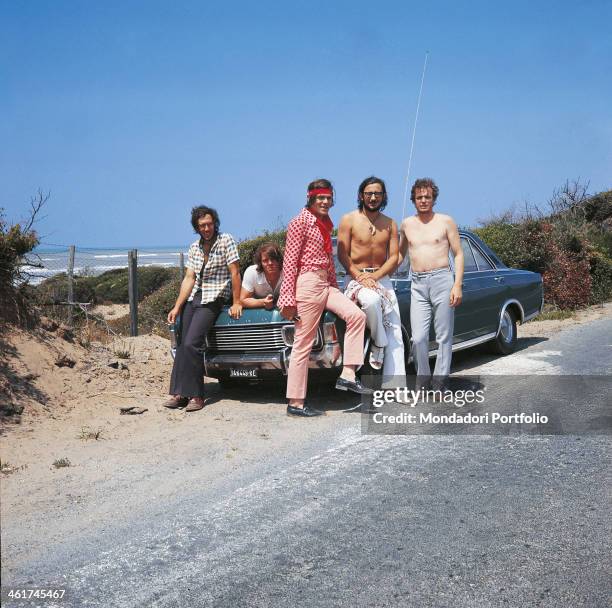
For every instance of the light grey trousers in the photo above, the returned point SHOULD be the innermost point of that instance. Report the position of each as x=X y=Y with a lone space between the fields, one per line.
x=430 y=294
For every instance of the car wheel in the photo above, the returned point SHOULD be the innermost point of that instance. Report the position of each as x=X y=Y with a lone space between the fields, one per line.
x=505 y=341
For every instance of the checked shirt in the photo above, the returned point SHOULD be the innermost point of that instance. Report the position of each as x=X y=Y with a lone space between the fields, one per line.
x=214 y=279
x=304 y=251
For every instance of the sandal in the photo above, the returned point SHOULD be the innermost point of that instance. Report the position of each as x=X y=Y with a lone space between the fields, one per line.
x=377 y=356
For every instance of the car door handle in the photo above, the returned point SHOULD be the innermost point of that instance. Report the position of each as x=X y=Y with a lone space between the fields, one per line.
x=500 y=279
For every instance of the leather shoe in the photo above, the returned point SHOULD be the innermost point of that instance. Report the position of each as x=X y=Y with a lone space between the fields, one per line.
x=195 y=404
x=354 y=386
x=305 y=412
x=176 y=401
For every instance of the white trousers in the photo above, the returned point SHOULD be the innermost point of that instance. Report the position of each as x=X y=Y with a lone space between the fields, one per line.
x=388 y=337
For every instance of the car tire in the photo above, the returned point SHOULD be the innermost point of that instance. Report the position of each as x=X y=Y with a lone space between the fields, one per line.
x=505 y=341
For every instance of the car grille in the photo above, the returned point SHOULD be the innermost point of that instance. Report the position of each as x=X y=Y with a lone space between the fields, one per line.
x=246 y=338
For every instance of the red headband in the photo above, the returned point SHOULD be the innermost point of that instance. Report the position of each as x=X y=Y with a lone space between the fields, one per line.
x=315 y=191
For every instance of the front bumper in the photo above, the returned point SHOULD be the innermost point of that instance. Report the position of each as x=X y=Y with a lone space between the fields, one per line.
x=268 y=363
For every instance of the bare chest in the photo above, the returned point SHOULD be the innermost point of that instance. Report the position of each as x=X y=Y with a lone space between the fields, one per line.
x=426 y=235
x=368 y=234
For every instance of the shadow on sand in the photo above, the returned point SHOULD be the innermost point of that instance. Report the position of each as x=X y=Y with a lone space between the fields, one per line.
x=15 y=388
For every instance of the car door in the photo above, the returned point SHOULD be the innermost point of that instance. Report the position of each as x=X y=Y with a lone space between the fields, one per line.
x=478 y=314
x=489 y=289
x=492 y=288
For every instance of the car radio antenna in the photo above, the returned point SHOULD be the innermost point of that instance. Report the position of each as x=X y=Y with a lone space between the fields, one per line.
x=416 y=118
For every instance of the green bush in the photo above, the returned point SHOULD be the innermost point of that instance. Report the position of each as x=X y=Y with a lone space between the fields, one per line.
x=601 y=276
x=55 y=289
x=601 y=241
x=571 y=247
x=518 y=245
x=598 y=208
x=15 y=242
x=154 y=309
x=111 y=287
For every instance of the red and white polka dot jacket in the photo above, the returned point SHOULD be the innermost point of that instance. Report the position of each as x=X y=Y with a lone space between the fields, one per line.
x=304 y=251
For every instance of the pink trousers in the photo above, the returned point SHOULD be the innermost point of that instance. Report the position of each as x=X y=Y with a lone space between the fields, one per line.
x=313 y=296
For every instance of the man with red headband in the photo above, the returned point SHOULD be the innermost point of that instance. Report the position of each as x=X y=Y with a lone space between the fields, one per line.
x=309 y=287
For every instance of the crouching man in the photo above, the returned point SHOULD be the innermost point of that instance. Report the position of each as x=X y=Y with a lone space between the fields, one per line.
x=211 y=274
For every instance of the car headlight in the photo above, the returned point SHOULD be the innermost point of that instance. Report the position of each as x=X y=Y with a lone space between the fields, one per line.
x=330 y=334
x=289 y=335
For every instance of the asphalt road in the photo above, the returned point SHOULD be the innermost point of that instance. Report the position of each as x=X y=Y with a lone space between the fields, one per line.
x=377 y=520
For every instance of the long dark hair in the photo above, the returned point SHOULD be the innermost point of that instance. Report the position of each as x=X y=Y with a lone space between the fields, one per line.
x=368 y=181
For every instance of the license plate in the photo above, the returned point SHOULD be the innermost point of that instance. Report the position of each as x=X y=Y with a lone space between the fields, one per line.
x=241 y=372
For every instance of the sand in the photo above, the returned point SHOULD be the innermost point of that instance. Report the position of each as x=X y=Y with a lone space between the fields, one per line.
x=73 y=413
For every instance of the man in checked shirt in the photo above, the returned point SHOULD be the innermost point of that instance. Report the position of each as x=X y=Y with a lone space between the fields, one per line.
x=211 y=274
x=309 y=287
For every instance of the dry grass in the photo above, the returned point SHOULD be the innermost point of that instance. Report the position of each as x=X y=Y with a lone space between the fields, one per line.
x=552 y=313
x=61 y=462
x=87 y=434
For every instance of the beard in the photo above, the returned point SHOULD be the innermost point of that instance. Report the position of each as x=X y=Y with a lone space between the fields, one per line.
x=373 y=207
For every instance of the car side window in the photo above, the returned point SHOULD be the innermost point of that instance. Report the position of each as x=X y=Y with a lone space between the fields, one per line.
x=468 y=257
x=483 y=263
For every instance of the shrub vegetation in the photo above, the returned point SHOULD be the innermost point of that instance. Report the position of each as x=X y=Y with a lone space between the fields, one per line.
x=153 y=310
x=16 y=241
x=111 y=287
x=570 y=245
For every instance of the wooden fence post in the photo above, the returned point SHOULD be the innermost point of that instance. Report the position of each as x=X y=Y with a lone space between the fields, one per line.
x=182 y=265
x=70 y=273
x=133 y=290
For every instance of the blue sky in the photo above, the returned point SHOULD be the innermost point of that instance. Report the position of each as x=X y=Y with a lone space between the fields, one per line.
x=130 y=113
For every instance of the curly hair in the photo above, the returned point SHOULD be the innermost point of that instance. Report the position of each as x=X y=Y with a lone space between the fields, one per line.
x=200 y=212
x=319 y=183
x=272 y=250
x=425 y=182
x=368 y=181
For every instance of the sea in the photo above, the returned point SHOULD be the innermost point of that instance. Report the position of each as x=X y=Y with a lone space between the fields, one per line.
x=46 y=261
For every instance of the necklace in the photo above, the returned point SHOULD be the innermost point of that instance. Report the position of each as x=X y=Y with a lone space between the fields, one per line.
x=372 y=227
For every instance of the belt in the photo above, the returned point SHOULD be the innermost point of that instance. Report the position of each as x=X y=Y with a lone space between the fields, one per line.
x=369 y=269
x=428 y=273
